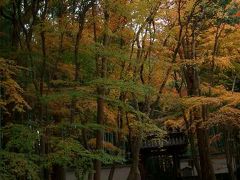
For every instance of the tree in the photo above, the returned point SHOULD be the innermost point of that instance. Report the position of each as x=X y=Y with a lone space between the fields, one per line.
x=80 y=71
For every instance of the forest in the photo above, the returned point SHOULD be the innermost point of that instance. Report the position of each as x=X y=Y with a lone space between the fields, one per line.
x=87 y=85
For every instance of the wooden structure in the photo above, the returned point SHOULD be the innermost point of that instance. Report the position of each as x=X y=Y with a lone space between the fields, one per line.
x=161 y=157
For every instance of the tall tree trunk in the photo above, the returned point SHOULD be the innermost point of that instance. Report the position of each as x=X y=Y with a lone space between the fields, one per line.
x=194 y=155
x=192 y=80
x=134 y=173
x=203 y=148
x=43 y=68
x=85 y=5
x=99 y=138
x=101 y=72
x=15 y=30
x=229 y=154
x=45 y=173
x=191 y=137
x=77 y=43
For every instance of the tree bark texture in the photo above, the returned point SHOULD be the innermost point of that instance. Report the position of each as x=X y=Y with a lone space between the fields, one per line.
x=134 y=173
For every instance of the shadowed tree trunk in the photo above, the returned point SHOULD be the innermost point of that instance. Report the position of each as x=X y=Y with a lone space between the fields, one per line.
x=99 y=137
x=207 y=171
x=134 y=173
x=191 y=137
x=111 y=173
x=192 y=80
x=77 y=43
x=102 y=73
x=84 y=7
x=229 y=153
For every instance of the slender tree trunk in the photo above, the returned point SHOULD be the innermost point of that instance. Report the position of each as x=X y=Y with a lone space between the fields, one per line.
x=134 y=173
x=81 y=22
x=192 y=80
x=99 y=138
x=205 y=162
x=77 y=43
x=45 y=175
x=118 y=137
x=192 y=144
x=102 y=72
x=111 y=174
x=41 y=84
x=43 y=68
x=15 y=34
x=203 y=148
x=194 y=155
x=229 y=155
